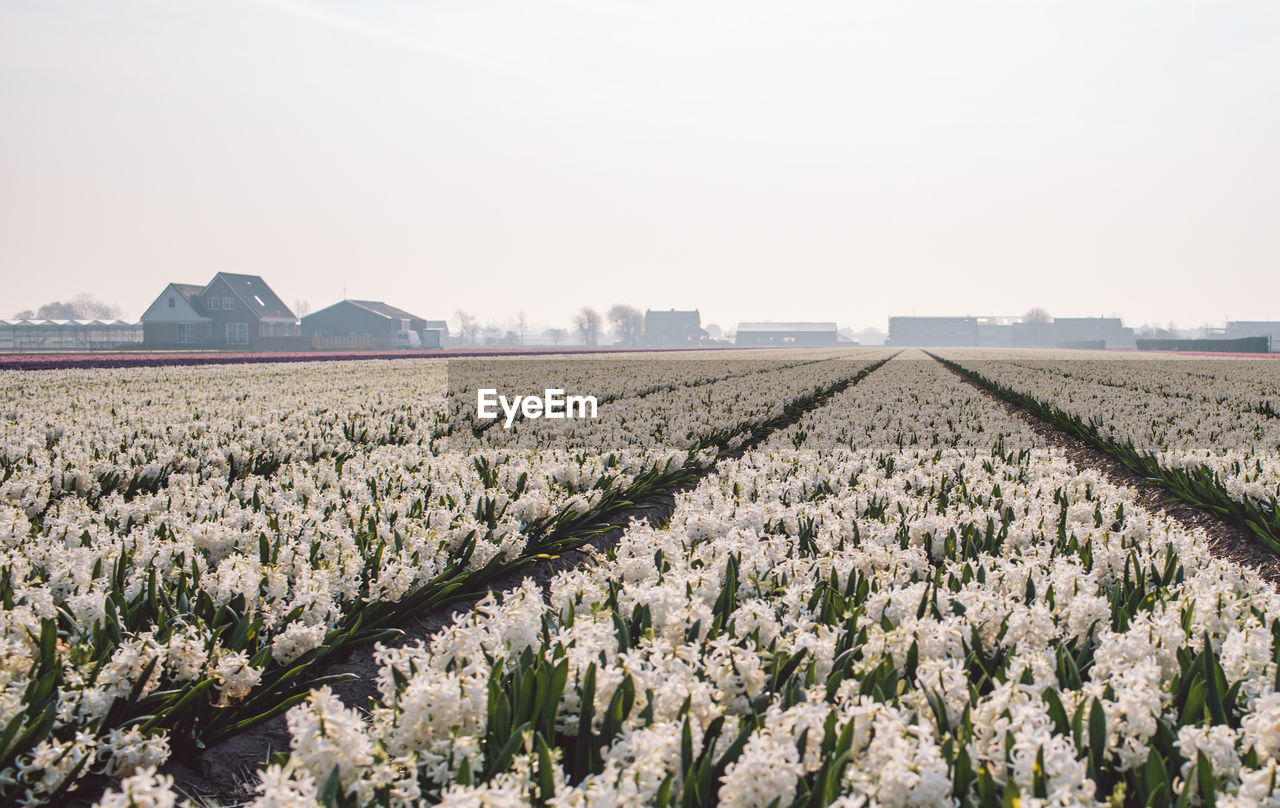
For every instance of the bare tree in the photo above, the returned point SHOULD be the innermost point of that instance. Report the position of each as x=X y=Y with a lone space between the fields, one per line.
x=301 y=308
x=91 y=308
x=1037 y=315
x=56 y=311
x=25 y=314
x=83 y=306
x=1148 y=331
x=587 y=321
x=556 y=335
x=466 y=326
x=871 y=336
x=522 y=320
x=628 y=323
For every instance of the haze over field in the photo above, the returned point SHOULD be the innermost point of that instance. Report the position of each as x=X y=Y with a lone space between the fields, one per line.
x=815 y=161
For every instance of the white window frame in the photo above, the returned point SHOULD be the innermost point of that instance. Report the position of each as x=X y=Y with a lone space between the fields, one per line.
x=215 y=303
x=228 y=303
x=237 y=333
x=186 y=334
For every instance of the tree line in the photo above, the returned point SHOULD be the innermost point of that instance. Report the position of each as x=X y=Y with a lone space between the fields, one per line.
x=626 y=321
x=83 y=306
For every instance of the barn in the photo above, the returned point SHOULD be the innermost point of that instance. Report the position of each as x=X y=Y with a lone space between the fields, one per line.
x=369 y=324
x=750 y=334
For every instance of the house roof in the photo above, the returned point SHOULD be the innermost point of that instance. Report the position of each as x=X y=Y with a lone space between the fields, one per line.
x=384 y=310
x=673 y=317
x=749 y=327
x=255 y=293
x=187 y=290
x=441 y=325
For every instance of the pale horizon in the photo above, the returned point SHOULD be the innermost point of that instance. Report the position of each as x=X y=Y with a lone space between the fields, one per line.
x=813 y=161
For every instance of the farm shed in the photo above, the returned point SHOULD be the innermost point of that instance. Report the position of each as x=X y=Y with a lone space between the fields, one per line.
x=786 y=334
x=359 y=324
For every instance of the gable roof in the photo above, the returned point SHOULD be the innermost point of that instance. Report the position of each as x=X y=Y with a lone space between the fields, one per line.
x=187 y=290
x=183 y=312
x=254 y=292
x=384 y=310
x=673 y=317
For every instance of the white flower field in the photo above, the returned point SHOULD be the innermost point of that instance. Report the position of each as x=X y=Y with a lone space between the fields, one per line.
x=879 y=586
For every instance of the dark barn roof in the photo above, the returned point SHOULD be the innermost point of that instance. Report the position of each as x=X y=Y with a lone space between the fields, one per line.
x=673 y=318
x=384 y=310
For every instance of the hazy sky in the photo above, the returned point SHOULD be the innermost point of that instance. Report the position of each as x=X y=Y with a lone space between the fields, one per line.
x=790 y=160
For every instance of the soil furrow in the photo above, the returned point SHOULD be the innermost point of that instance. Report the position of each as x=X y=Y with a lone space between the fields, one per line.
x=1226 y=540
x=224 y=774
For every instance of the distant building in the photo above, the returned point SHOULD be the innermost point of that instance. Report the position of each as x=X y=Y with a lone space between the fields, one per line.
x=995 y=332
x=1259 y=344
x=673 y=327
x=1008 y=332
x=231 y=311
x=1091 y=332
x=435 y=334
x=1033 y=334
x=68 y=335
x=750 y=334
x=1238 y=329
x=368 y=324
x=933 y=331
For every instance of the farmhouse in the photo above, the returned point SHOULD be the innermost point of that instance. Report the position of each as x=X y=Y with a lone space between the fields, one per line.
x=361 y=324
x=231 y=311
x=673 y=327
x=786 y=334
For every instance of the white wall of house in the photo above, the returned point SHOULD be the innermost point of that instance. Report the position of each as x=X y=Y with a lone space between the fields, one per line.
x=162 y=312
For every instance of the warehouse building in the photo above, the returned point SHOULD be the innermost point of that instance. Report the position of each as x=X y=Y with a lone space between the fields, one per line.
x=366 y=324
x=1091 y=332
x=939 y=331
x=1010 y=332
x=1239 y=329
x=808 y=334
